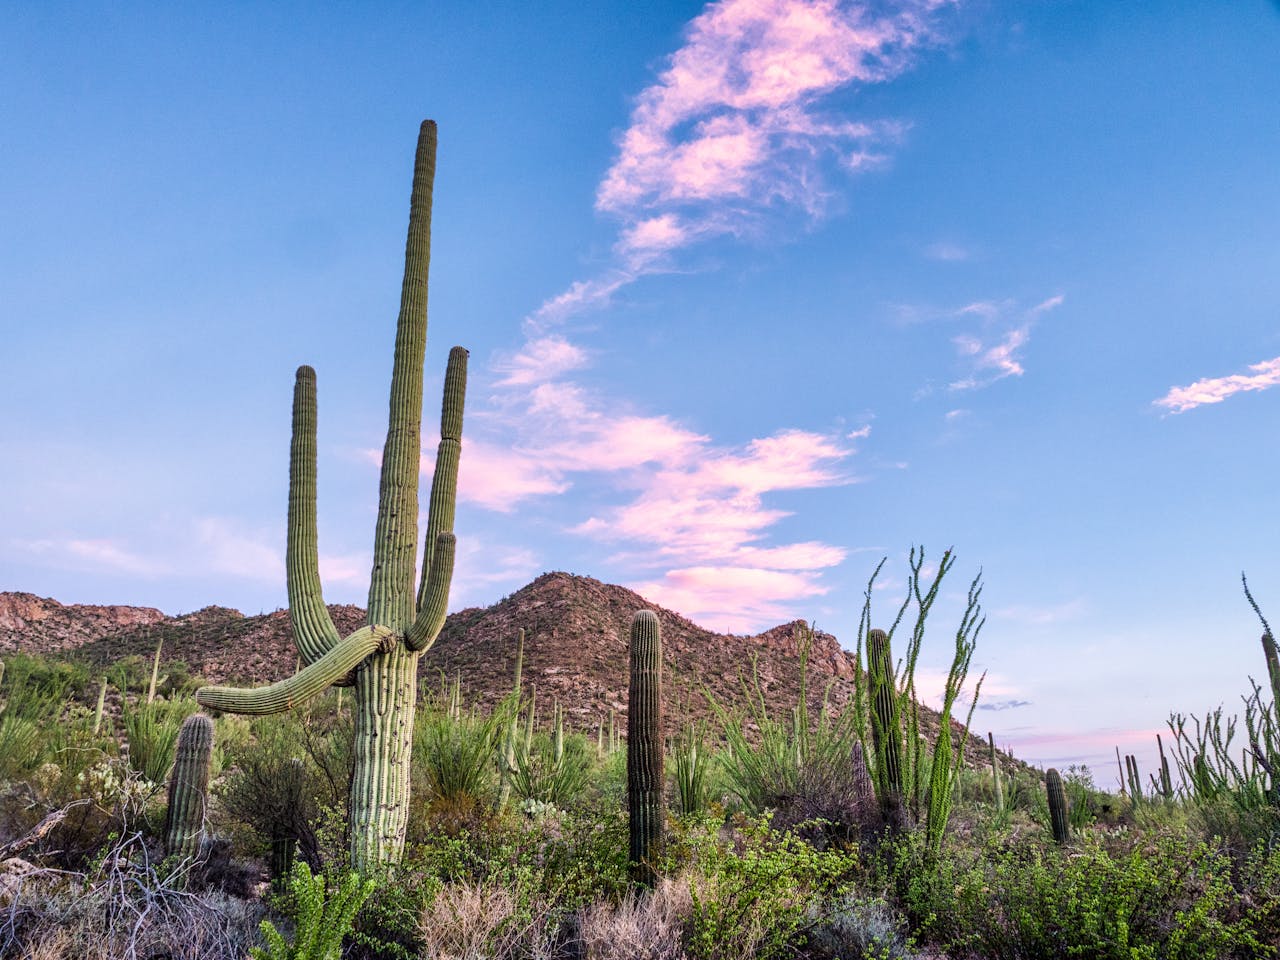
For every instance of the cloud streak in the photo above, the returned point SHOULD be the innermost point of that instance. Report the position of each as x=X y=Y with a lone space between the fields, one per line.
x=1214 y=390
x=733 y=133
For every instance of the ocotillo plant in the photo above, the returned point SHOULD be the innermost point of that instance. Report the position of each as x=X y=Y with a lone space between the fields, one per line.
x=189 y=787
x=380 y=660
x=1057 y=806
x=910 y=784
x=645 y=744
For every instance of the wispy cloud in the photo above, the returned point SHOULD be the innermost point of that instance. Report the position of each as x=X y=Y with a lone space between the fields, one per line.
x=733 y=131
x=539 y=360
x=994 y=351
x=948 y=252
x=1180 y=399
x=737 y=136
x=98 y=555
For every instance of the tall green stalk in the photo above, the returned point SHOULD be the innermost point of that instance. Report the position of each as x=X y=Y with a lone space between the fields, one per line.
x=380 y=660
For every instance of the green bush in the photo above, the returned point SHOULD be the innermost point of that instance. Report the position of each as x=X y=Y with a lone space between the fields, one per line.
x=321 y=920
x=755 y=891
x=1162 y=898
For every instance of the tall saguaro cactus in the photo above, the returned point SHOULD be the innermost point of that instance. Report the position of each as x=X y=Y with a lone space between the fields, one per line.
x=645 y=744
x=380 y=660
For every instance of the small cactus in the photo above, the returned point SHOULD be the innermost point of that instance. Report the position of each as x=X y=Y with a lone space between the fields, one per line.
x=189 y=787
x=995 y=771
x=645 y=745
x=1166 y=781
x=1057 y=806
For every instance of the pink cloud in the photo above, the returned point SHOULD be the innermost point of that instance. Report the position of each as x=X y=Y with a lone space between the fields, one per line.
x=1180 y=399
x=734 y=113
x=732 y=130
x=499 y=478
x=731 y=599
x=711 y=510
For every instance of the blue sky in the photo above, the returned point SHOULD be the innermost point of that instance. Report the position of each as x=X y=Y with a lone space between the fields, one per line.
x=756 y=293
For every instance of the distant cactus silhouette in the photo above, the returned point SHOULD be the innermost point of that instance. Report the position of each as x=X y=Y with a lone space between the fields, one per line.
x=645 y=745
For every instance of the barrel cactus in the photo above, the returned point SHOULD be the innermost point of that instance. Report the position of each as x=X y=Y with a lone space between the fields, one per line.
x=1057 y=806
x=380 y=660
x=189 y=787
x=645 y=744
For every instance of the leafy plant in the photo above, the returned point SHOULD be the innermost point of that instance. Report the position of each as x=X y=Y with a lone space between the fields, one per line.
x=321 y=920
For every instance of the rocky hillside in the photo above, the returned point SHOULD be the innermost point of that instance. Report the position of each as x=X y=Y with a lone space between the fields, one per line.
x=575 y=649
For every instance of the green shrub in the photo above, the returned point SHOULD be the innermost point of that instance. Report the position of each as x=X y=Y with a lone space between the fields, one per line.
x=320 y=920
x=1163 y=898
x=755 y=896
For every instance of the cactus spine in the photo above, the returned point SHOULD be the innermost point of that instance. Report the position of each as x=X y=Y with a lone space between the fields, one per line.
x=1057 y=806
x=645 y=745
x=189 y=787
x=380 y=660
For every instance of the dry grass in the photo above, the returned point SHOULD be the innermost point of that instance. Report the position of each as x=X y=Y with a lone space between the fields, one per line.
x=125 y=908
x=467 y=921
x=641 y=927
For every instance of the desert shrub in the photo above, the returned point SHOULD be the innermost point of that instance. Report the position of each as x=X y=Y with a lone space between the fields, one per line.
x=647 y=925
x=552 y=771
x=484 y=921
x=855 y=927
x=295 y=768
x=35 y=695
x=124 y=905
x=753 y=891
x=1163 y=898
x=690 y=772
x=151 y=731
x=322 y=915
x=454 y=754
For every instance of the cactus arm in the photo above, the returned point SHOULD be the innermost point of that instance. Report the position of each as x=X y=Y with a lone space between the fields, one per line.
x=313 y=629
x=391 y=588
x=426 y=626
x=444 y=482
x=303 y=685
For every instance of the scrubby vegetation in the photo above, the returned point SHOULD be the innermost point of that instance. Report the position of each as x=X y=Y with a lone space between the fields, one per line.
x=778 y=841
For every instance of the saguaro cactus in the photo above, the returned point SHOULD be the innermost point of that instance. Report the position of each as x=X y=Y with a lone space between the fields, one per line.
x=886 y=728
x=189 y=787
x=645 y=744
x=380 y=660
x=1057 y=805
